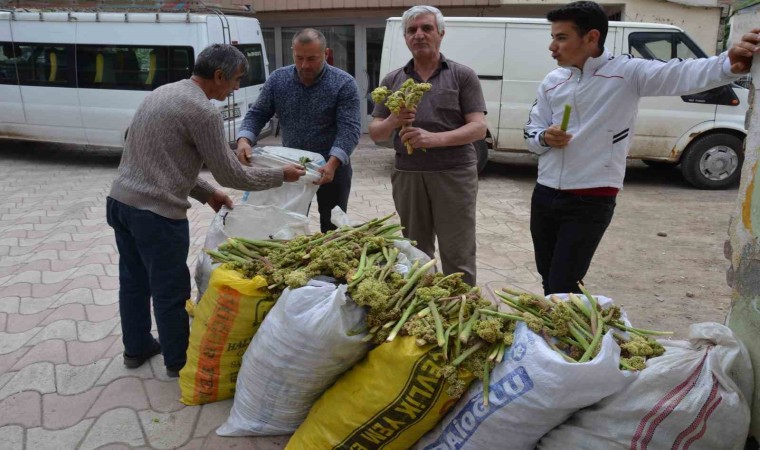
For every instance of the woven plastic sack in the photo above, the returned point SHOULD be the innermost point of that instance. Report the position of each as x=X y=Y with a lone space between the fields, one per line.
x=388 y=400
x=695 y=396
x=251 y=222
x=224 y=322
x=530 y=392
x=309 y=339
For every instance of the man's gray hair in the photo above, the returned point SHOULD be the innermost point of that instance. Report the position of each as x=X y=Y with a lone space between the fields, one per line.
x=224 y=57
x=308 y=35
x=420 y=10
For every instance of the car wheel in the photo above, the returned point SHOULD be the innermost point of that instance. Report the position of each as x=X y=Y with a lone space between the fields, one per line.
x=713 y=161
x=481 y=149
x=660 y=165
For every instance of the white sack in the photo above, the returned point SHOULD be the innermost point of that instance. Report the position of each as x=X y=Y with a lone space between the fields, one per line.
x=531 y=391
x=247 y=221
x=694 y=396
x=301 y=348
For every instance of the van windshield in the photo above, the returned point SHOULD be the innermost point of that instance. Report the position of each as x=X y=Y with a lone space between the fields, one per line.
x=663 y=45
x=256 y=71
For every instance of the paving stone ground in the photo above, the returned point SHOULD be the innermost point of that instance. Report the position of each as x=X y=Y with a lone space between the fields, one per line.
x=63 y=384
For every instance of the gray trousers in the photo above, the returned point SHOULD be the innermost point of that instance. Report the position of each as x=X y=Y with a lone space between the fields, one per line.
x=440 y=204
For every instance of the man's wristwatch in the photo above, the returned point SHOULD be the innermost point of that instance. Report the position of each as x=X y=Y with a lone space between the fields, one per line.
x=541 y=139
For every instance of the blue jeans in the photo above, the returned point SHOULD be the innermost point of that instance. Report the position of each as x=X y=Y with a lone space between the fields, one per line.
x=334 y=194
x=152 y=263
x=566 y=230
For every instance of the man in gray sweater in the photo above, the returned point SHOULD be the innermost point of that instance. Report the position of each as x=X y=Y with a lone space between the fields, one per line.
x=174 y=132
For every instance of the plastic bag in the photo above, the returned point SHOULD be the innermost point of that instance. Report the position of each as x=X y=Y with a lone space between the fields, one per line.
x=531 y=391
x=247 y=221
x=295 y=196
x=232 y=309
x=388 y=400
x=694 y=396
x=308 y=340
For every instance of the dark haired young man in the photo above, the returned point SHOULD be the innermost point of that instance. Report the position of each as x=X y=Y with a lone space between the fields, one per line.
x=580 y=171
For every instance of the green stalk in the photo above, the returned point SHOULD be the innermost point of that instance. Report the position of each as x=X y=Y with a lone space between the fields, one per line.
x=438 y=323
x=464 y=336
x=579 y=304
x=486 y=382
x=551 y=344
x=401 y=321
x=259 y=243
x=589 y=354
x=362 y=261
x=494 y=351
x=579 y=336
x=502 y=315
x=502 y=351
x=460 y=326
x=642 y=332
x=220 y=257
x=467 y=353
x=413 y=280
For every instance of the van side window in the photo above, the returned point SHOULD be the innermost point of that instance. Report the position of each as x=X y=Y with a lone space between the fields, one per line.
x=663 y=45
x=7 y=64
x=45 y=65
x=130 y=67
x=257 y=71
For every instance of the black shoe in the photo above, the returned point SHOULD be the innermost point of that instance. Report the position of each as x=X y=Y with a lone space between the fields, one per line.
x=133 y=362
x=172 y=373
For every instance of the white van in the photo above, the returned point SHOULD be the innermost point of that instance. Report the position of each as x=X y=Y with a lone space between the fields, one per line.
x=77 y=77
x=703 y=132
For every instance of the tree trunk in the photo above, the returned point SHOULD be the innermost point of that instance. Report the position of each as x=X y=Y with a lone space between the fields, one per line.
x=743 y=246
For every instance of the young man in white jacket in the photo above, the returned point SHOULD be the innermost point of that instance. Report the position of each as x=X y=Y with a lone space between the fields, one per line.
x=581 y=170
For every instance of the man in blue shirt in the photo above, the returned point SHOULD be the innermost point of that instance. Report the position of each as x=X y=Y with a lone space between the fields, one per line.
x=318 y=108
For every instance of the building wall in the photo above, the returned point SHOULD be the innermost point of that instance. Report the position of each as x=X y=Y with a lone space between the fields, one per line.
x=701 y=23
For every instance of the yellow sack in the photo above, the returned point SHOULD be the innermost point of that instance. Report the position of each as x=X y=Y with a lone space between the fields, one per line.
x=389 y=400
x=225 y=320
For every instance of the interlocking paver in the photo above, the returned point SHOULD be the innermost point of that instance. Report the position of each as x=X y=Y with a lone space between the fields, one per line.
x=116 y=370
x=99 y=313
x=10 y=342
x=116 y=426
x=73 y=311
x=94 y=331
x=212 y=416
x=22 y=409
x=64 y=411
x=30 y=305
x=163 y=395
x=61 y=329
x=53 y=351
x=77 y=379
x=125 y=392
x=43 y=439
x=19 y=290
x=9 y=305
x=169 y=430
x=12 y=437
x=38 y=377
x=23 y=322
x=48 y=290
x=81 y=353
x=80 y=296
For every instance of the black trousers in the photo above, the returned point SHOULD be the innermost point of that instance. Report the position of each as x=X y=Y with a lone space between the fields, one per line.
x=334 y=194
x=566 y=230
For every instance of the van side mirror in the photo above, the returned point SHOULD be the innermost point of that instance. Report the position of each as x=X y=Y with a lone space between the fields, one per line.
x=722 y=95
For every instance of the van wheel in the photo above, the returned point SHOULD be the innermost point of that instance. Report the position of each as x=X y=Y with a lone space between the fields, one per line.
x=481 y=149
x=713 y=161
